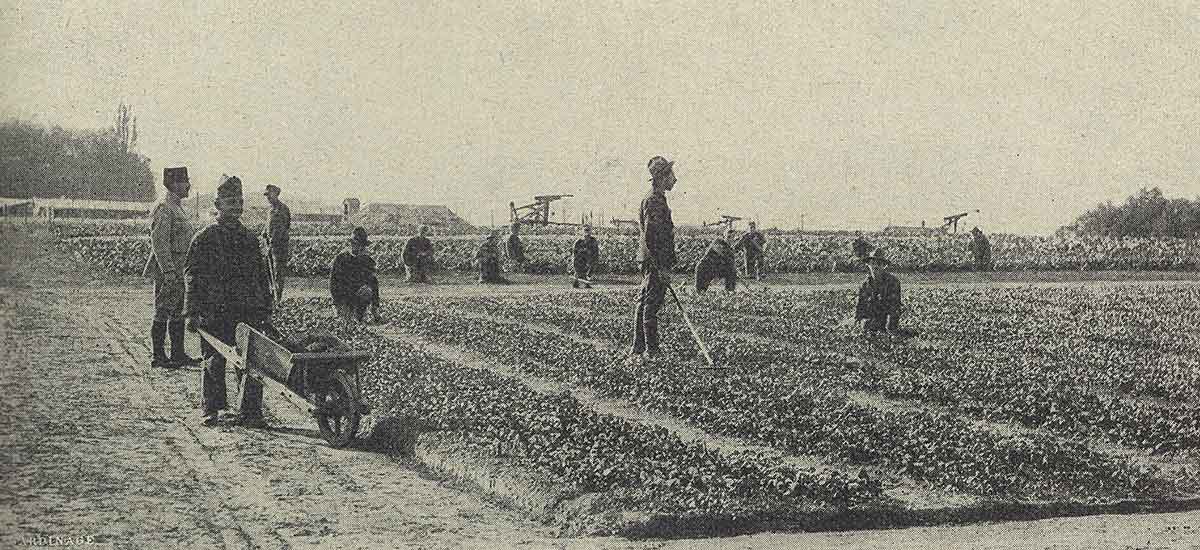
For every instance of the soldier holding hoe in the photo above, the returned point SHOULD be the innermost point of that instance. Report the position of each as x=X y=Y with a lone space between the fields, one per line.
x=276 y=236
x=227 y=284
x=656 y=253
x=753 y=243
x=170 y=236
x=488 y=257
x=878 y=297
x=515 y=249
x=353 y=282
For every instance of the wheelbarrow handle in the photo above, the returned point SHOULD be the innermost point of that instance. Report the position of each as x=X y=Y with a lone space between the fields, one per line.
x=229 y=352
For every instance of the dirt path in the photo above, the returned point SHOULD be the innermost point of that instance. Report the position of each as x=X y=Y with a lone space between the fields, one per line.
x=95 y=444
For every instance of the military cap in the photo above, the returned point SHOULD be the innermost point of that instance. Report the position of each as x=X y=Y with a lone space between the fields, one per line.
x=173 y=175
x=231 y=186
x=876 y=255
x=659 y=166
x=272 y=189
x=359 y=236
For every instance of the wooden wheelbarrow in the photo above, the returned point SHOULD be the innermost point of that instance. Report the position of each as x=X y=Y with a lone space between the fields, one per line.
x=327 y=380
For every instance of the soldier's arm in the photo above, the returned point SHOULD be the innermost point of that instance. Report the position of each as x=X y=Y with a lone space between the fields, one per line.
x=160 y=240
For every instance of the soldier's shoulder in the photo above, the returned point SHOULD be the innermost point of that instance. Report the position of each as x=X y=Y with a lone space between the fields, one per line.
x=208 y=231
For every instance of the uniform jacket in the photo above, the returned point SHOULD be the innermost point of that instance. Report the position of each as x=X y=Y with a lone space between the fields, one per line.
x=718 y=258
x=878 y=297
x=752 y=242
x=860 y=247
x=980 y=247
x=658 y=232
x=279 y=227
x=349 y=273
x=487 y=252
x=170 y=235
x=416 y=248
x=516 y=250
x=586 y=250
x=226 y=275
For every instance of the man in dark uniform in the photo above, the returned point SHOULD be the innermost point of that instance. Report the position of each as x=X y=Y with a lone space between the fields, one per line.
x=718 y=263
x=418 y=256
x=860 y=247
x=981 y=250
x=170 y=235
x=516 y=249
x=586 y=253
x=276 y=235
x=656 y=253
x=753 y=243
x=488 y=257
x=227 y=284
x=352 y=280
x=879 y=296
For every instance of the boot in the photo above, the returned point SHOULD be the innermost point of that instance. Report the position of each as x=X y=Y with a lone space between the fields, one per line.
x=179 y=356
x=158 y=341
x=639 y=333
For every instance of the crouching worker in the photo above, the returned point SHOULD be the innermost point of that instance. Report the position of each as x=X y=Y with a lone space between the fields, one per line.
x=718 y=263
x=488 y=257
x=352 y=280
x=879 y=296
x=227 y=283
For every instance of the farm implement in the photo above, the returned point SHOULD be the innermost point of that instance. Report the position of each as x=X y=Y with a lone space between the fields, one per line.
x=317 y=367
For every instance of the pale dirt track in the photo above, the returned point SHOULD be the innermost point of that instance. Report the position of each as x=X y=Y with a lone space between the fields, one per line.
x=95 y=443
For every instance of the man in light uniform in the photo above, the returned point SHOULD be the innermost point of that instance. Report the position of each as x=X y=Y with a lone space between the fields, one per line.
x=278 y=240
x=170 y=235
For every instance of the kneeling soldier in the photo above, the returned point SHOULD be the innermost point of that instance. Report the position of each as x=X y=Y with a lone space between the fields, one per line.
x=227 y=284
x=718 y=263
x=488 y=257
x=879 y=296
x=352 y=280
x=586 y=253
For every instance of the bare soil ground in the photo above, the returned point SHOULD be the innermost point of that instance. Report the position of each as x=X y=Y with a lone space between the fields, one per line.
x=94 y=443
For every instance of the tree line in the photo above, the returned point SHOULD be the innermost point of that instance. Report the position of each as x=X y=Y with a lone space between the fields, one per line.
x=53 y=162
x=1145 y=214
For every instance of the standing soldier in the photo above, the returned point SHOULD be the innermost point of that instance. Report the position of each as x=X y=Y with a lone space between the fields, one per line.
x=754 y=243
x=586 y=254
x=981 y=249
x=170 y=235
x=718 y=263
x=488 y=257
x=418 y=256
x=227 y=284
x=516 y=250
x=276 y=236
x=860 y=247
x=656 y=253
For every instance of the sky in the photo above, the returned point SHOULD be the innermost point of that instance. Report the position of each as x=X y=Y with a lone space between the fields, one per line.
x=831 y=115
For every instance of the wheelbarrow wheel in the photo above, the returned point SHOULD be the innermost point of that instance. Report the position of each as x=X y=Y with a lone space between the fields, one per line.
x=336 y=413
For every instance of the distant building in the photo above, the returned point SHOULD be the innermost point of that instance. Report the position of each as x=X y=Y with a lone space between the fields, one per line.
x=75 y=208
x=913 y=231
x=350 y=208
x=394 y=214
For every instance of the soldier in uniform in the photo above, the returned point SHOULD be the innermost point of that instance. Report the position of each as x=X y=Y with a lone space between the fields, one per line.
x=585 y=254
x=981 y=250
x=352 y=280
x=488 y=257
x=418 y=256
x=656 y=253
x=860 y=247
x=170 y=235
x=753 y=243
x=277 y=240
x=879 y=296
x=516 y=249
x=227 y=284
x=718 y=263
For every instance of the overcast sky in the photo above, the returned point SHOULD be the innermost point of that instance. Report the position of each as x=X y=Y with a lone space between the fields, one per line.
x=850 y=114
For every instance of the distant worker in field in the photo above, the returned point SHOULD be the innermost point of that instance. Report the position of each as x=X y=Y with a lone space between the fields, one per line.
x=860 y=248
x=586 y=253
x=879 y=296
x=488 y=257
x=754 y=244
x=418 y=256
x=276 y=234
x=515 y=249
x=656 y=253
x=718 y=263
x=170 y=235
x=227 y=283
x=353 y=282
x=981 y=250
